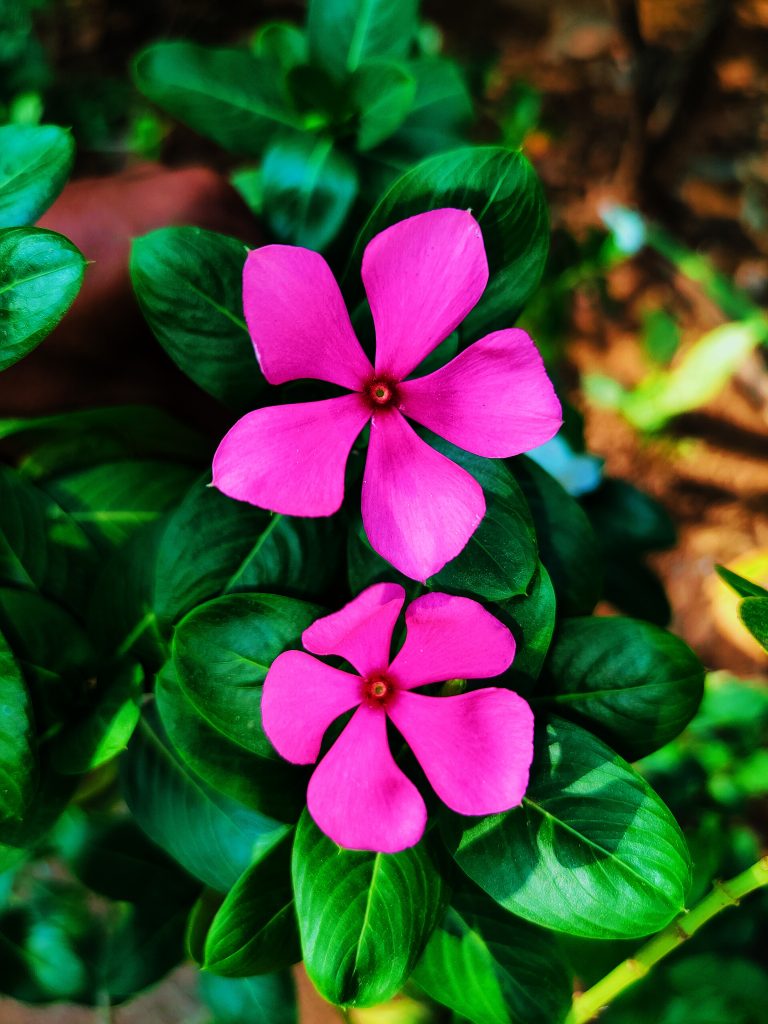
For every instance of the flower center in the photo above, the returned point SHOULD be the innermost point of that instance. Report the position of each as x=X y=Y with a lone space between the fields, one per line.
x=381 y=393
x=377 y=691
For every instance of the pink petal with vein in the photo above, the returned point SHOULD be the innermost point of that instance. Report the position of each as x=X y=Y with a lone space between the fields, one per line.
x=451 y=638
x=494 y=399
x=419 y=508
x=476 y=749
x=297 y=319
x=301 y=698
x=422 y=276
x=291 y=458
x=357 y=794
x=362 y=631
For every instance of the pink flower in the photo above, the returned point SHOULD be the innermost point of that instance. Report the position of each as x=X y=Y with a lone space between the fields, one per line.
x=422 y=276
x=475 y=748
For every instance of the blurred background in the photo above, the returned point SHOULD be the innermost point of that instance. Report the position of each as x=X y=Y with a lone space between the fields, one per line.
x=647 y=122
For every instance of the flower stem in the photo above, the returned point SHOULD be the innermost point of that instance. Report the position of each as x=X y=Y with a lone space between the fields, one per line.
x=724 y=894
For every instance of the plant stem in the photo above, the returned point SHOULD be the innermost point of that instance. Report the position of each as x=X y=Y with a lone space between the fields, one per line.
x=724 y=894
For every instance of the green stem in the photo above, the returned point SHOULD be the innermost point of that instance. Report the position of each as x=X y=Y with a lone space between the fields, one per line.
x=724 y=894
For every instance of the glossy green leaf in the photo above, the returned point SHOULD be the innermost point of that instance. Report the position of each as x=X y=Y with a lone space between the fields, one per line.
x=274 y=787
x=18 y=756
x=742 y=586
x=268 y=999
x=364 y=918
x=504 y=194
x=753 y=612
x=441 y=109
x=40 y=275
x=633 y=684
x=500 y=557
x=35 y=161
x=222 y=652
x=491 y=967
x=211 y=836
x=189 y=284
x=383 y=92
x=254 y=931
x=307 y=190
x=592 y=851
x=213 y=545
x=531 y=617
x=567 y=544
x=229 y=95
x=344 y=33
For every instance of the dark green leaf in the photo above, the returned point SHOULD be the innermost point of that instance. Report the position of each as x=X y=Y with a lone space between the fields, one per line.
x=254 y=931
x=567 y=544
x=222 y=652
x=231 y=96
x=40 y=275
x=273 y=787
x=18 y=757
x=189 y=284
x=269 y=999
x=441 y=110
x=211 y=836
x=742 y=586
x=504 y=194
x=282 y=43
x=753 y=612
x=592 y=851
x=625 y=519
x=364 y=917
x=344 y=33
x=383 y=92
x=307 y=190
x=35 y=161
x=634 y=684
x=531 y=617
x=491 y=967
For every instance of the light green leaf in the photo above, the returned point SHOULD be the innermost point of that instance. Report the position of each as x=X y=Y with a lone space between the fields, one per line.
x=383 y=93
x=35 y=161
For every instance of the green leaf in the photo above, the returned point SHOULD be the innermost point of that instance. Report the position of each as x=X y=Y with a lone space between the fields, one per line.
x=18 y=756
x=531 y=617
x=40 y=275
x=214 y=545
x=35 y=161
x=633 y=684
x=308 y=188
x=114 y=499
x=500 y=557
x=625 y=519
x=364 y=918
x=269 y=999
x=222 y=652
x=742 y=586
x=753 y=612
x=491 y=967
x=501 y=189
x=102 y=728
x=19 y=839
x=211 y=836
x=254 y=931
x=344 y=33
x=274 y=788
x=189 y=284
x=281 y=42
x=441 y=110
x=567 y=545
x=592 y=851
x=229 y=95
x=383 y=92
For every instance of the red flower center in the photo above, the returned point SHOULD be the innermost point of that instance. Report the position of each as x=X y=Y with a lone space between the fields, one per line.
x=377 y=691
x=381 y=393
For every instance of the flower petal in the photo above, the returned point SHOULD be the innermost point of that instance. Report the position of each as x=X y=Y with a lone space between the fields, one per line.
x=300 y=699
x=422 y=276
x=291 y=458
x=419 y=508
x=451 y=638
x=297 y=319
x=357 y=794
x=494 y=399
x=361 y=631
x=476 y=749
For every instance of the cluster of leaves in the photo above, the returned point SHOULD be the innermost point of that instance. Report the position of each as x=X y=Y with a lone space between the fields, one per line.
x=40 y=271
x=142 y=609
x=333 y=111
